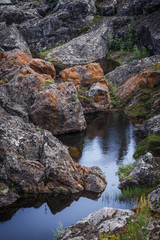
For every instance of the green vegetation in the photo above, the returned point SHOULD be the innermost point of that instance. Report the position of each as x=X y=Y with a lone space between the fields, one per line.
x=87 y=27
x=149 y=144
x=115 y=100
x=74 y=97
x=135 y=192
x=46 y=83
x=155 y=67
x=85 y=99
x=59 y=231
x=44 y=52
x=124 y=171
x=128 y=43
x=142 y=108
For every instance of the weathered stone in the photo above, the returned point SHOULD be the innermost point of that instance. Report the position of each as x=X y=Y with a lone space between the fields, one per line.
x=136 y=7
x=121 y=74
x=154 y=199
x=145 y=79
x=152 y=125
x=33 y=161
x=86 y=48
x=145 y=173
x=105 y=220
x=107 y=8
x=7 y=196
x=83 y=76
x=55 y=109
x=11 y=38
x=154 y=230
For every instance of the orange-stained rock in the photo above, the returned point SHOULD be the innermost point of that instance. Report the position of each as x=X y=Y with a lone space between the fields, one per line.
x=83 y=76
x=145 y=79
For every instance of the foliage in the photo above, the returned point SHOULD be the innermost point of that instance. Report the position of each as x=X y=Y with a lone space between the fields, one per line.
x=115 y=100
x=149 y=144
x=138 y=53
x=135 y=192
x=45 y=51
x=85 y=99
x=74 y=97
x=124 y=171
x=59 y=231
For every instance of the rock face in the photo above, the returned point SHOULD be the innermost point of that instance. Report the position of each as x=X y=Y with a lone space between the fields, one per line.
x=107 y=8
x=136 y=7
x=154 y=199
x=33 y=161
x=106 y=220
x=56 y=110
x=121 y=74
x=11 y=38
x=145 y=173
x=154 y=230
x=145 y=79
x=152 y=126
x=86 y=48
x=28 y=90
x=92 y=88
x=7 y=196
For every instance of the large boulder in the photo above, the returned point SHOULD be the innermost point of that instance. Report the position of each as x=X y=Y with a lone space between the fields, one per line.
x=85 y=48
x=153 y=230
x=7 y=196
x=145 y=173
x=55 y=109
x=152 y=125
x=32 y=160
x=107 y=8
x=154 y=199
x=11 y=38
x=121 y=74
x=105 y=220
x=60 y=25
x=145 y=79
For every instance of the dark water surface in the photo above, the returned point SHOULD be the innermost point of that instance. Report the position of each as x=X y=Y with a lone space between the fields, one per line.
x=108 y=143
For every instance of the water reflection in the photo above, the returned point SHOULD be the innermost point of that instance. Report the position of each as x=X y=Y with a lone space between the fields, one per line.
x=107 y=142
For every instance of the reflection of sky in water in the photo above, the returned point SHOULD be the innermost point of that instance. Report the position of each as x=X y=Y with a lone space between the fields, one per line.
x=108 y=143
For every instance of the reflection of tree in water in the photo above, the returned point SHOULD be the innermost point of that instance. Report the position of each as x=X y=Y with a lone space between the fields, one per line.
x=117 y=136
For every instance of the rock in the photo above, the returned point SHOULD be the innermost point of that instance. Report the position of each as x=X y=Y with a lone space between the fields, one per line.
x=7 y=196
x=121 y=74
x=145 y=79
x=14 y=14
x=105 y=220
x=5 y=2
x=152 y=125
x=85 y=48
x=83 y=76
x=107 y=8
x=145 y=173
x=32 y=160
x=154 y=199
x=154 y=230
x=55 y=109
x=11 y=38
x=136 y=7
x=60 y=26
x=149 y=29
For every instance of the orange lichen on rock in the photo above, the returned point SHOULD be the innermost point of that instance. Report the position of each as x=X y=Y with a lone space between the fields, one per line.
x=70 y=75
x=146 y=79
x=42 y=67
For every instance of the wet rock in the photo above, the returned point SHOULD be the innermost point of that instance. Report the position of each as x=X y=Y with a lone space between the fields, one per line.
x=106 y=220
x=152 y=125
x=86 y=48
x=32 y=160
x=7 y=196
x=107 y=8
x=154 y=230
x=121 y=74
x=11 y=38
x=145 y=173
x=154 y=199
x=145 y=79
x=55 y=109
x=136 y=7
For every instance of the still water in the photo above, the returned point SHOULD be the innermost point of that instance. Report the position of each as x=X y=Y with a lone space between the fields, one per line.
x=108 y=143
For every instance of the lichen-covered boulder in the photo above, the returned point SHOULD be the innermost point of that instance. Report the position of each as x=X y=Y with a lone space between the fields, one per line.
x=107 y=8
x=105 y=220
x=145 y=173
x=152 y=125
x=32 y=160
x=154 y=199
